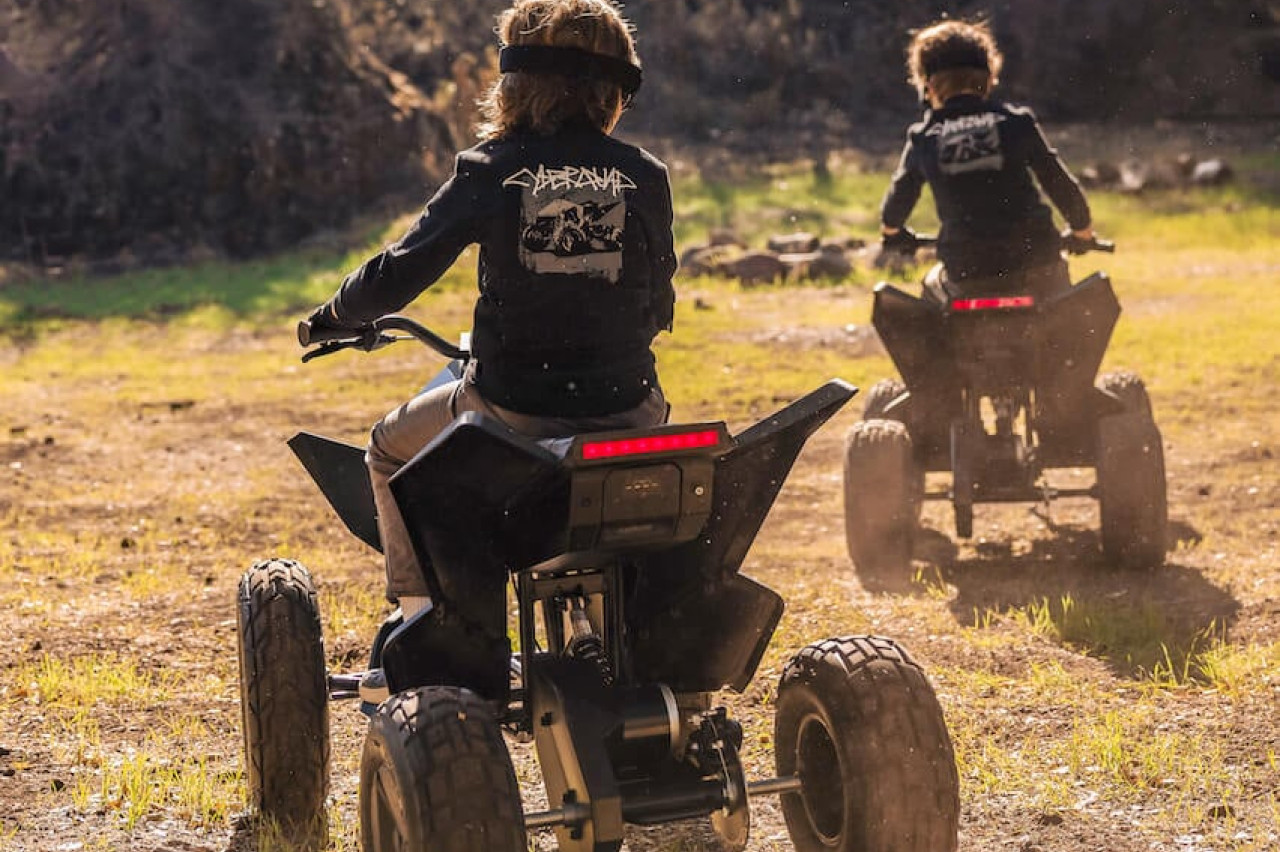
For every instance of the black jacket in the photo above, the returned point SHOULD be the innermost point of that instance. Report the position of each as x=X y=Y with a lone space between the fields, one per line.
x=576 y=260
x=978 y=157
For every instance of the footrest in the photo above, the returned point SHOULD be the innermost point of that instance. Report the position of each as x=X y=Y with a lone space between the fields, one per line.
x=344 y=685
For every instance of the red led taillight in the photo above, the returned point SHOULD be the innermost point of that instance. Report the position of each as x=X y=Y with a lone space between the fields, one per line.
x=650 y=444
x=999 y=303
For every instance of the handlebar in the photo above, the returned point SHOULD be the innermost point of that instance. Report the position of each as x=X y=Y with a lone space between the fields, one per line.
x=309 y=334
x=373 y=336
x=1071 y=243
x=1075 y=245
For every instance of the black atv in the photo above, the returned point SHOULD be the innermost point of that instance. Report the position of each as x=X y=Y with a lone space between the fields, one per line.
x=997 y=389
x=622 y=550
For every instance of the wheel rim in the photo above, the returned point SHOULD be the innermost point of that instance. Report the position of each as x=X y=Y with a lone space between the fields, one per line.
x=818 y=765
x=387 y=836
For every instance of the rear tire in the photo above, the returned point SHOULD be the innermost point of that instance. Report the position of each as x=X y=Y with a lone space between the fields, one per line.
x=882 y=393
x=1133 y=503
x=882 y=490
x=859 y=723
x=878 y=398
x=435 y=775
x=284 y=699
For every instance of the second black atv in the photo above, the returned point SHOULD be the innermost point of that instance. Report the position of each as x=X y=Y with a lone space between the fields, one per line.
x=998 y=389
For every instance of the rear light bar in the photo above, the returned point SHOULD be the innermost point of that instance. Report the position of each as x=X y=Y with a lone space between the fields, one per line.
x=650 y=444
x=993 y=303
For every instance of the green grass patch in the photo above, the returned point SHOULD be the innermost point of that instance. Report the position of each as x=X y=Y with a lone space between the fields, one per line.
x=1222 y=241
x=1237 y=671
x=1127 y=746
x=151 y=780
x=1145 y=641
x=87 y=681
x=210 y=293
x=784 y=199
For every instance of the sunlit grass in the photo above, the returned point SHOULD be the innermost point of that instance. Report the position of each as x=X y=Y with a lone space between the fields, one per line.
x=76 y=738
x=1110 y=747
x=1237 y=671
x=88 y=680
x=215 y=293
x=152 y=778
x=351 y=613
x=781 y=200
x=1141 y=640
x=1130 y=748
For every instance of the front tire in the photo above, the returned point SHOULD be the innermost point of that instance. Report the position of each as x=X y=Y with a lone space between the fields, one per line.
x=284 y=699
x=435 y=775
x=1132 y=498
x=882 y=491
x=860 y=725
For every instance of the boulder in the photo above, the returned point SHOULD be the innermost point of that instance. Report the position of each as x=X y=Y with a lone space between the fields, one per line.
x=796 y=243
x=755 y=267
x=1100 y=173
x=832 y=262
x=1213 y=172
x=846 y=244
x=724 y=237
x=705 y=259
x=829 y=261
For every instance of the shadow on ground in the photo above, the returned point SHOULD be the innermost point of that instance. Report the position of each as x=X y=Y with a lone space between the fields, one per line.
x=1141 y=622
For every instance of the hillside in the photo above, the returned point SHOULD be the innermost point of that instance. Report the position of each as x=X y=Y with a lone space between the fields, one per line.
x=160 y=129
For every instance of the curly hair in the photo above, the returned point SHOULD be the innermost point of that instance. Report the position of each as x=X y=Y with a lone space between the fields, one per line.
x=544 y=102
x=953 y=57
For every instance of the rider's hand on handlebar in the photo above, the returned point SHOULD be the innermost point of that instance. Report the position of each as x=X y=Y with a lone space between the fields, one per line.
x=1079 y=242
x=902 y=240
x=323 y=326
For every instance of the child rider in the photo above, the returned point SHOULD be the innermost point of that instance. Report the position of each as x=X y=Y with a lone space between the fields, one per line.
x=575 y=266
x=978 y=156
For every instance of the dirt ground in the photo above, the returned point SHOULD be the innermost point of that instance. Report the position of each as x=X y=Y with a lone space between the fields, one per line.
x=131 y=513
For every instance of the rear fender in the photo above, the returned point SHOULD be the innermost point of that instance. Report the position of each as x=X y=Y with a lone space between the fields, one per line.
x=437 y=649
x=1075 y=332
x=478 y=502
x=913 y=332
x=698 y=624
x=340 y=472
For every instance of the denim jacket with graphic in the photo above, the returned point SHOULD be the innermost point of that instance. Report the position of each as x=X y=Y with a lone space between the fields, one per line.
x=575 y=265
x=979 y=157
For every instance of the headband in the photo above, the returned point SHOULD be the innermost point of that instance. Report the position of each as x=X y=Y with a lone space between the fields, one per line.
x=572 y=62
x=955 y=57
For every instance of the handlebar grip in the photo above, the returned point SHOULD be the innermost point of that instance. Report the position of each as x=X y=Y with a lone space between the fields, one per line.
x=310 y=333
x=1108 y=246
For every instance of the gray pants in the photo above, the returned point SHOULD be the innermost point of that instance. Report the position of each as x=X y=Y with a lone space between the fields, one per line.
x=399 y=436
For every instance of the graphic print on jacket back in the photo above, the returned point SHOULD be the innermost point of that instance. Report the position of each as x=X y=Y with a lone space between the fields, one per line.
x=571 y=220
x=969 y=143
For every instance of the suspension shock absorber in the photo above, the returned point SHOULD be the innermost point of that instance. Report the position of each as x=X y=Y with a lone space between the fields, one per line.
x=585 y=643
